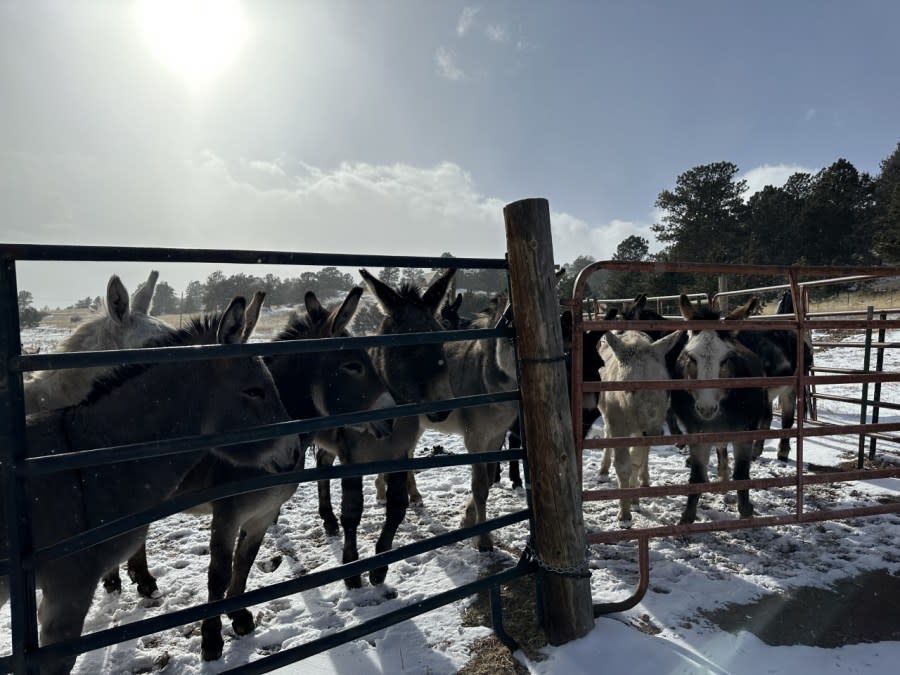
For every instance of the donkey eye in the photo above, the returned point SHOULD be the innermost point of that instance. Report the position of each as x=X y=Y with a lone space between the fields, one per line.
x=353 y=367
x=254 y=392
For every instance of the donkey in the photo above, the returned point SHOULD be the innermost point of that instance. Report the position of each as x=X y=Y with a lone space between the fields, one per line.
x=464 y=368
x=637 y=311
x=711 y=355
x=310 y=385
x=137 y=403
x=122 y=327
x=451 y=320
x=632 y=357
x=778 y=351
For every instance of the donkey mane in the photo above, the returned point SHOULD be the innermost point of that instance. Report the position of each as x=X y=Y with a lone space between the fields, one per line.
x=199 y=330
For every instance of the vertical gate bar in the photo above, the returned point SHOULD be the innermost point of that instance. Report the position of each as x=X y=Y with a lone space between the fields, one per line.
x=576 y=385
x=23 y=610
x=867 y=360
x=799 y=298
x=879 y=367
x=560 y=540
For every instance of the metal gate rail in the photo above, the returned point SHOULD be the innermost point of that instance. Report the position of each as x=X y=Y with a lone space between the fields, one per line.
x=800 y=324
x=16 y=467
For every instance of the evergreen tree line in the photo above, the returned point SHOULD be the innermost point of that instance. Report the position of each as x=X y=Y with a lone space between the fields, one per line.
x=838 y=216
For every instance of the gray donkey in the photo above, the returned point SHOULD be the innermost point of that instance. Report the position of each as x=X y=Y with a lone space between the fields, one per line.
x=124 y=326
x=435 y=372
x=310 y=385
x=137 y=403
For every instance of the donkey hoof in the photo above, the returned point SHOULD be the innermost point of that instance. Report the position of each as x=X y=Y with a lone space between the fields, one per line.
x=353 y=582
x=625 y=524
x=211 y=642
x=331 y=530
x=484 y=544
x=378 y=575
x=784 y=456
x=148 y=590
x=415 y=499
x=112 y=584
x=242 y=622
x=687 y=518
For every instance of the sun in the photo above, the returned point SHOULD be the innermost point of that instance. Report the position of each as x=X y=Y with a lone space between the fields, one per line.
x=197 y=39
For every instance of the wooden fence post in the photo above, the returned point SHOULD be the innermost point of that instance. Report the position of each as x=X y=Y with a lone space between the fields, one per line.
x=556 y=490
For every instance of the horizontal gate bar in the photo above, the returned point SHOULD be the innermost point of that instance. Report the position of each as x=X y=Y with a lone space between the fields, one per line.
x=322 y=644
x=52 y=252
x=729 y=485
x=114 y=528
x=743 y=523
x=60 y=360
x=136 y=629
x=75 y=460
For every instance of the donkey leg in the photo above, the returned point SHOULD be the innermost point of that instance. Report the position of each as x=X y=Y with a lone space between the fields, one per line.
x=64 y=605
x=380 y=488
x=623 y=472
x=139 y=573
x=743 y=455
x=221 y=551
x=722 y=461
x=411 y=487
x=498 y=474
x=395 y=512
x=249 y=540
x=788 y=401
x=476 y=509
x=515 y=475
x=605 y=464
x=588 y=417
x=699 y=455
x=326 y=512
x=764 y=423
x=351 y=514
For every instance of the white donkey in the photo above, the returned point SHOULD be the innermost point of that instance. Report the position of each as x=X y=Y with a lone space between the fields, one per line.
x=125 y=325
x=631 y=356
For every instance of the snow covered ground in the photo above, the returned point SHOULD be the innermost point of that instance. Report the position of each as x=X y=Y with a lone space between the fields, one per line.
x=688 y=574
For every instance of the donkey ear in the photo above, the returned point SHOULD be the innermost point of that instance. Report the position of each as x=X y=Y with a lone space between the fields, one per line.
x=116 y=299
x=614 y=342
x=231 y=325
x=313 y=306
x=744 y=310
x=666 y=344
x=456 y=303
x=341 y=317
x=611 y=313
x=140 y=301
x=437 y=290
x=688 y=311
x=387 y=297
x=640 y=301
x=251 y=316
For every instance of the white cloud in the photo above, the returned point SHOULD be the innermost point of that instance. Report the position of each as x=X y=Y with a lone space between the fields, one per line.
x=445 y=61
x=770 y=174
x=497 y=33
x=210 y=202
x=466 y=17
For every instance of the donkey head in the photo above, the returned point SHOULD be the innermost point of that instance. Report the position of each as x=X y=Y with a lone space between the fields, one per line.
x=710 y=354
x=450 y=318
x=414 y=373
x=239 y=393
x=123 y=326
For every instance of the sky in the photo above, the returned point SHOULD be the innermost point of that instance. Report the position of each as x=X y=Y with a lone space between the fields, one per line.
x=405 y=127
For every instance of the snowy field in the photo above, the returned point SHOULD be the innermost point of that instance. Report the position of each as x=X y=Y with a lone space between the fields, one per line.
x=688 y=574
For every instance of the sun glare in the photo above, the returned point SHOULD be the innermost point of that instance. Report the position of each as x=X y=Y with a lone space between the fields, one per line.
x=198 y=39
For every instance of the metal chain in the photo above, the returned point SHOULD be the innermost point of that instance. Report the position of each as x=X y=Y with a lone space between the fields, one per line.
x=582 y=571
